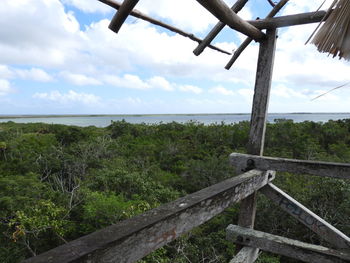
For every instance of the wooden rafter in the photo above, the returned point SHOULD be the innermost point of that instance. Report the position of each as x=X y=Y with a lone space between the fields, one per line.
x=246 y=42
x=225 y=14
x=216 y=30
x=123 y=12
x=136 y=13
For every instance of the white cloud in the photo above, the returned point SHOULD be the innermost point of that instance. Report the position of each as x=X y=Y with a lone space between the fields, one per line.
x=89 y=6
x=35 y=74
x=161 y=83
x=5 y=87
x=5 y=72
x=36 y=32
x=79 y=79
x=184 y=14
x=284 y=92
x=247 y=94
x=190 y=88
x=69 y=97
x=222 y=91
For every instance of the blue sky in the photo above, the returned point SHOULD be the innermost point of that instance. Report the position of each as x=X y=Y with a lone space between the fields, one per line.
x=59 y=57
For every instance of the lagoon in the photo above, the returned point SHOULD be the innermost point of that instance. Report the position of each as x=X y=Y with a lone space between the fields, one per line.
x=105 y=120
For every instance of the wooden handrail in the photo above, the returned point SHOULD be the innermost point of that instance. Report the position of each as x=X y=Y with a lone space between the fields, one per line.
x=285 y=246
x=132 y=239
x=323 y=169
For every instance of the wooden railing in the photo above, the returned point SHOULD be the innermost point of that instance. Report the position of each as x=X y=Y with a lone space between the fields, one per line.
x=133 y=239
x=340 y=251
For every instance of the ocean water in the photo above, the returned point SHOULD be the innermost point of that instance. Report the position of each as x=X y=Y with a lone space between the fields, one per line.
x=105 y=120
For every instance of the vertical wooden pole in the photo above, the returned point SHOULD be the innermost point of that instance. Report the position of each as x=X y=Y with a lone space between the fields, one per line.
x=258 y=118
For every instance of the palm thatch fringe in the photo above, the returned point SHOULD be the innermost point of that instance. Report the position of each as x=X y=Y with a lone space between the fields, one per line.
x=334 y=35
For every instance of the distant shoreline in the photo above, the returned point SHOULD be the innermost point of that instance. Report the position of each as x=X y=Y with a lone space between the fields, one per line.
x=149 y=115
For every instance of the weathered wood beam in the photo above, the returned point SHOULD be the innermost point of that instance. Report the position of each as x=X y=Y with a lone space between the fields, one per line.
x=326 y=231
x=262 y=93
x=216 y=30
x=123 y=12
x=132 y=239
x=258 y=117
x=290 y=20
x=222 y=12
x=136 y=13
x=246 y=254
x=246 y=42
x=323 y=169
x=285 y=246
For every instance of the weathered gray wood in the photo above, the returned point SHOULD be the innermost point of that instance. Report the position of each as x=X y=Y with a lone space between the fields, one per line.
x=323 y=169
x=262 y=94
x=222 y=12
x=290 y=20
x=326 y=231
x=120 y=17
x=258 y=118
x=285 y=246
x=246 y=42
x=136 y=13
x=218 y=27
x=246 y=254
x=134 y=238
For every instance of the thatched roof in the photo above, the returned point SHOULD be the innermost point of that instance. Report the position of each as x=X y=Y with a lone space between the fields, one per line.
x=334 y=35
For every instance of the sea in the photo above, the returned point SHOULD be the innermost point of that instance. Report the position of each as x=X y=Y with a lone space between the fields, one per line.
x=105 y=120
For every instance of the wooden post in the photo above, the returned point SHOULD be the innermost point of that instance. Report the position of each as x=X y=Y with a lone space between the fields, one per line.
x=258 y=118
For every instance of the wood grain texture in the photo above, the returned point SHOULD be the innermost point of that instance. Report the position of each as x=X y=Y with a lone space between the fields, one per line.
x=132 y=239
x=246 y=254
x=262 y=93
x=285 y=246
x=325 y=230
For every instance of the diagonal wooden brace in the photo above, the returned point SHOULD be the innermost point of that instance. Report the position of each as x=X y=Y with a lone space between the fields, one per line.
x=306 y=217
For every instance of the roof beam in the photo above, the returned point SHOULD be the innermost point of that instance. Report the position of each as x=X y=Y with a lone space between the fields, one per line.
x=218 y=27
x=136 y=13
x=225 y=14
x=290 y=20
x=248 y=40
x=120 y=17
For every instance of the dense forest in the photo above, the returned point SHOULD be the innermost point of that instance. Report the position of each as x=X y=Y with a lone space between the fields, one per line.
x=59 y=182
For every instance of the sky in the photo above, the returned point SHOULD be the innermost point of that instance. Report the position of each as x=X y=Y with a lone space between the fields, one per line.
x=59 y=57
